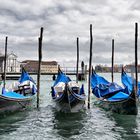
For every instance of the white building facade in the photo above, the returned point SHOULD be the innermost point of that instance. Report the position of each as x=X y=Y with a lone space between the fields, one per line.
x=12 y=65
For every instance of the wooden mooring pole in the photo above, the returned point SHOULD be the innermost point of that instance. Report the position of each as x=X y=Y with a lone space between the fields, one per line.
x=90 y=63
x=112 y=70
x=77 y=66
x=136 y=55
x=5 y=59
x=39 y=64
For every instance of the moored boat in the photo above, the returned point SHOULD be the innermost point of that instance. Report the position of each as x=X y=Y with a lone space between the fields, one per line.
x=67 y=94
x=18 y=95
x=112 y=97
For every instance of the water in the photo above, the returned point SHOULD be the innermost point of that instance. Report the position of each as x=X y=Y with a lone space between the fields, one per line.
x=47 y=124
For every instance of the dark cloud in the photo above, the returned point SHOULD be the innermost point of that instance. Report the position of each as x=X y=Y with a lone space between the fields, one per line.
x=135 y=4
x=63 y=22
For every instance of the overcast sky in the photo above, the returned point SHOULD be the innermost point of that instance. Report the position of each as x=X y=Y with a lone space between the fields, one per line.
x=63 y=22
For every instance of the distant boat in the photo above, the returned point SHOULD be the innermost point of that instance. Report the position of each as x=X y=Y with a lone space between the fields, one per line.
x=112 y=97
x=18 y=95
x=127 y=81
x=67 y=94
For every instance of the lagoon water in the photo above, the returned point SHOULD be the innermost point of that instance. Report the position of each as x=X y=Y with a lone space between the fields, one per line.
x=47 y=124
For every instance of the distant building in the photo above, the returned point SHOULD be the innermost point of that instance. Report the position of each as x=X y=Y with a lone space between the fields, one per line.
x=12 y=65
x=98 y=68
x=101 y=68
x=104 y=68
x=131 y=68
x=46 y=66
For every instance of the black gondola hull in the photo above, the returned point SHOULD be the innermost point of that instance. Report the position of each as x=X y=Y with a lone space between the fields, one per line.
x=126 y=106
x=67 y=105
x=9 y=105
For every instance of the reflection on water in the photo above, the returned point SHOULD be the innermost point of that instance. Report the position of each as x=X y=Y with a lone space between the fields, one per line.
x=9 y=123
x=47 y=124
x=68 y=124
x=126 y=125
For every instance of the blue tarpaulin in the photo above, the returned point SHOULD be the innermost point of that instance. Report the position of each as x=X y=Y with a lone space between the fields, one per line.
x=118 y=96
x=61 y=77
x=128 y=82
x=101 y=87
x=25 y=76
x=11 y=94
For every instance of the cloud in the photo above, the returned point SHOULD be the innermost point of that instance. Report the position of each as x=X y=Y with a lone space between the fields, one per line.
x=63 y=22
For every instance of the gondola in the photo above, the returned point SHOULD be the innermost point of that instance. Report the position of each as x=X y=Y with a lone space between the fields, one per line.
x=112 y=97
x=127 y=81
x=18 y=95
x=67 y=94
